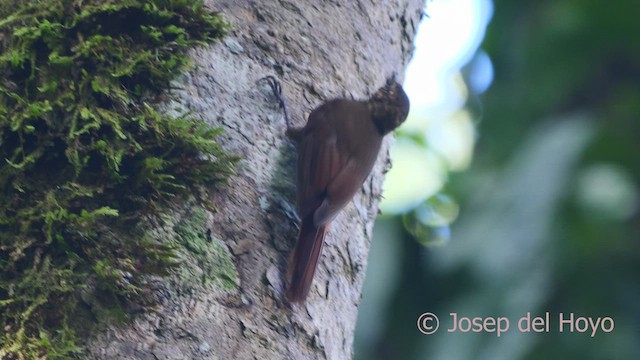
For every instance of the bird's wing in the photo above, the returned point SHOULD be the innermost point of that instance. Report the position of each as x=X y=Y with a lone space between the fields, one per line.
x=328 y=179
x=319 y=163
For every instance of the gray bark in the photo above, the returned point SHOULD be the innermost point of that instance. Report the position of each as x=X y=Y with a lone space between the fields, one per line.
x=319 y=50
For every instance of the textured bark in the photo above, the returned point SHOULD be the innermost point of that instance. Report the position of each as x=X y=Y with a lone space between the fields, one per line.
x=319 y=50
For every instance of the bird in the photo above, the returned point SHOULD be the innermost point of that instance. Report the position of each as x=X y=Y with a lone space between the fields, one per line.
x=337 y=149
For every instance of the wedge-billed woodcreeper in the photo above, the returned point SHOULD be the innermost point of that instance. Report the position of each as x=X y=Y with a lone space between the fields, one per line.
x=337 y=149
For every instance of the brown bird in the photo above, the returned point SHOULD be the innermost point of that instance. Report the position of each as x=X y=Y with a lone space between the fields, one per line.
x=336 y=152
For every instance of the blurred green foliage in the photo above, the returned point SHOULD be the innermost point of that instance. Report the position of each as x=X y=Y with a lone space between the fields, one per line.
x=549 y=216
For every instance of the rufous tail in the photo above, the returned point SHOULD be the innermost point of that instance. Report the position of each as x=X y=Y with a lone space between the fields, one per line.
x=305 y=258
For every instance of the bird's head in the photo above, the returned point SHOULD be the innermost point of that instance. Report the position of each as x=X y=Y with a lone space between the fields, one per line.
x=389 y=106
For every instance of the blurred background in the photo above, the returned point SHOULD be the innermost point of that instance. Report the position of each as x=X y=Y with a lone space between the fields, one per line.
x=515 y=184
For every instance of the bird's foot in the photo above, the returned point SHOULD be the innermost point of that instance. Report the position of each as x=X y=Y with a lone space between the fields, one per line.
x=276 y=89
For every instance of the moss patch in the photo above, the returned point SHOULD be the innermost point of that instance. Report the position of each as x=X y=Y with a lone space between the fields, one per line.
x=86 y=160
x=213 y=260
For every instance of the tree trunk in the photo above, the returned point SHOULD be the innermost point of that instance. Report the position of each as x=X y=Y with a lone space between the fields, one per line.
x=319 y=50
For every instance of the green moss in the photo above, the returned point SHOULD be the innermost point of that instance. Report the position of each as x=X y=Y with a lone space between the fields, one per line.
x=87 y=160
x=213 y=259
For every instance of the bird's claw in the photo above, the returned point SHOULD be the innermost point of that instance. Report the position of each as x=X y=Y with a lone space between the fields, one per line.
x=276 y=88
